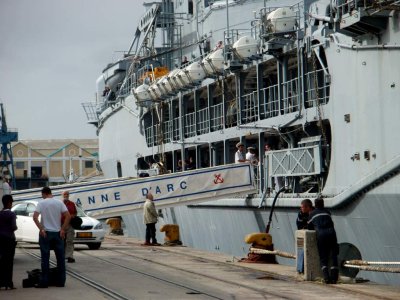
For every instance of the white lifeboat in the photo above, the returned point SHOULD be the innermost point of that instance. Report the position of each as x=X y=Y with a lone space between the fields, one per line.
x=179 y=78
x=193 y=72
x=215 y=58
x=155 y=89
x=281 y=20
x=169 y=83
x=162 y=85
x=245 y=47
x=142 y=92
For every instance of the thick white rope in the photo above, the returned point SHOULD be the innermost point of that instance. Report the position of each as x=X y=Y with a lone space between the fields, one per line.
x=368 y=263
x=274 y=252
x=373 y=268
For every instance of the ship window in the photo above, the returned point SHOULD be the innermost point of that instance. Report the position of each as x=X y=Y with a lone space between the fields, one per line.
x=190 y=7
x=119 y=169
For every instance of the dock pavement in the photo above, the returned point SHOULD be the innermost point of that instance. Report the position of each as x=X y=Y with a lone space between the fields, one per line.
x=123 y=269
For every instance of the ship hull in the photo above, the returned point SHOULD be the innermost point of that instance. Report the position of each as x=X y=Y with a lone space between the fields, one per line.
x=370 y=224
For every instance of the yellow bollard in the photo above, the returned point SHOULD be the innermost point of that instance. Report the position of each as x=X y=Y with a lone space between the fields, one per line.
x=115 y=225
x=260 y=240
x=171 y=234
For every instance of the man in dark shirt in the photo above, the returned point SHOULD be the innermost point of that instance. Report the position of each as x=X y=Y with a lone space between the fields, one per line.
x=302 y=217
x=70 y=232
x=8 y=225
x=321 y=221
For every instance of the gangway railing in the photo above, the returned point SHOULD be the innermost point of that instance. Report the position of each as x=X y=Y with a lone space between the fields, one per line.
x=115 y=198
x=295 y=162
x=91 y=112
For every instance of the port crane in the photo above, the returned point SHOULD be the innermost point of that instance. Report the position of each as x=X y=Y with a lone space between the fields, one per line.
x=6 y=137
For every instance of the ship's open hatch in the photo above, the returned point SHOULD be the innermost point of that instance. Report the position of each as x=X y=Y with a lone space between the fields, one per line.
x=300 y=158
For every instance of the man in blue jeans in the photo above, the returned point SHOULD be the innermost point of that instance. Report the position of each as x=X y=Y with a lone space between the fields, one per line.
x=51 y=235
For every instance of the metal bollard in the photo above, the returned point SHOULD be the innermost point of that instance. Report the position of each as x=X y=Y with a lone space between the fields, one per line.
x=171 y=234
x=115 y=224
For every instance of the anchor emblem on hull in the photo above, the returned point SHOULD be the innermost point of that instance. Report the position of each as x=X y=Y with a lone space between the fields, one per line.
x=218 y=178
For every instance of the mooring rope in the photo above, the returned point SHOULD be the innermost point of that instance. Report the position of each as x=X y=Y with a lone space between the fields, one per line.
x=373 y=268
x=358 y=264
x=371 y=265
x=368 y=263
x=274 y=252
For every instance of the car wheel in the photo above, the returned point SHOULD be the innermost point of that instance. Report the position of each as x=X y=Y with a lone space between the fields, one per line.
x=94 y=246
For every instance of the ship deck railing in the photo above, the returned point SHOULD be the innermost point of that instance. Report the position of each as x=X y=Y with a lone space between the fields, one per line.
x=372 y=6
x=266 y=103
x=91 y=110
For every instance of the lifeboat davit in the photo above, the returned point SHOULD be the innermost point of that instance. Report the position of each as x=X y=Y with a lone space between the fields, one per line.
x=214 y=60
x=281 y=20
x=245 y=47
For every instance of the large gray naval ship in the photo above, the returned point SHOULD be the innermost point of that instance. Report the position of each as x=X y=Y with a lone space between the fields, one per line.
x=313 y=86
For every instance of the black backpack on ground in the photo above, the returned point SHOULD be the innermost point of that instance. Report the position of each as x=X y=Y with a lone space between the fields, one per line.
x=34 y=277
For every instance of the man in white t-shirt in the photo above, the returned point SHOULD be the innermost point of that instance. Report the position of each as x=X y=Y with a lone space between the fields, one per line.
x=51 y=234
x=5 y=189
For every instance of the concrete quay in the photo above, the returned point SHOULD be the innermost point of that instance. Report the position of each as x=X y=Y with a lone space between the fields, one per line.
x=123 y=269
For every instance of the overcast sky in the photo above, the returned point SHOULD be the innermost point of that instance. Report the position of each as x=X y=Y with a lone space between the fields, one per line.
x=51 y=53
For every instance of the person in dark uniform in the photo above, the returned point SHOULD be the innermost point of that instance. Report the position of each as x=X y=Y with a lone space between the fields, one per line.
x=302 y=218
x=320 y=220
x=8 y=224
x=302 y=223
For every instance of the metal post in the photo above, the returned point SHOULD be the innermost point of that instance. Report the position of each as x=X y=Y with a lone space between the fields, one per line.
x=71 y=171
x=227 y=21
x=181 y=127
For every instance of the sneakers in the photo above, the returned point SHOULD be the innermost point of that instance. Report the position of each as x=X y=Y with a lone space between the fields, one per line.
x=70 y=260
x=155 y=244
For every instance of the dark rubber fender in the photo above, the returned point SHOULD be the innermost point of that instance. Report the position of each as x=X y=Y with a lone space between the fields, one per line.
x=348 y=251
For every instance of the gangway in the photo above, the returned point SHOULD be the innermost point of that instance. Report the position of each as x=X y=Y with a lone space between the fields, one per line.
x=117 y=197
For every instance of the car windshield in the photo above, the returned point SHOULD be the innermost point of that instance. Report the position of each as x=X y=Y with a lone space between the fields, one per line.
x=80 y=212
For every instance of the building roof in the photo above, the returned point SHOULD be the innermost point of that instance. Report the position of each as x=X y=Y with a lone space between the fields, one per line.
x=52 y=146
x=59 y=143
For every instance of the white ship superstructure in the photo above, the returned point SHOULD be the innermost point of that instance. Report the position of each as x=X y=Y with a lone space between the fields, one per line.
x=318 y=81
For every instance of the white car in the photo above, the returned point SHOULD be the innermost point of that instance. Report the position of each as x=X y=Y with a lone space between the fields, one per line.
x=91 y=232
